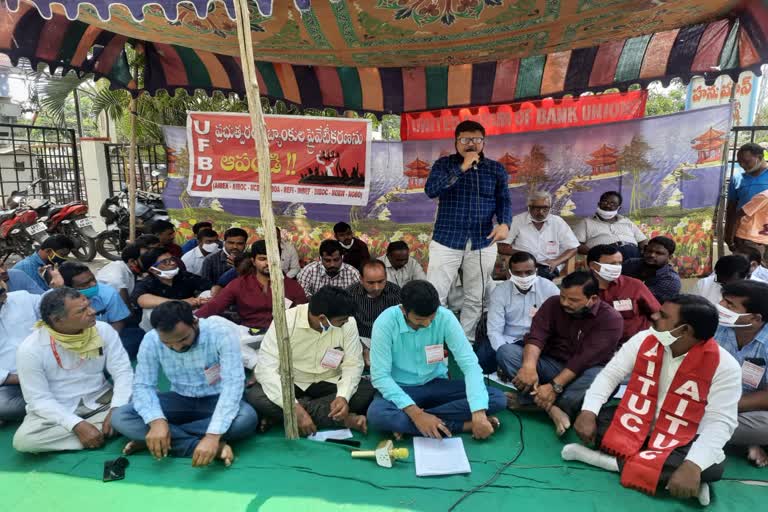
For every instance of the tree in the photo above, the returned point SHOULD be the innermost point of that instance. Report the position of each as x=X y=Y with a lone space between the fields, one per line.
x=633 y=159
x=533 y=168
x=668 y=100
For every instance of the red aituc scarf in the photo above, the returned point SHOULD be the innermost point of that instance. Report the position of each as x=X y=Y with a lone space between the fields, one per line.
x=678 y=419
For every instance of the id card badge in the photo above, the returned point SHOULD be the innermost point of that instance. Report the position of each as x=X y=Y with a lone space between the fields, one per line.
x=551 y=249
x=622 y=305
x=752 y=374
x=213 y=374
x=332 y=358
x=435 y=353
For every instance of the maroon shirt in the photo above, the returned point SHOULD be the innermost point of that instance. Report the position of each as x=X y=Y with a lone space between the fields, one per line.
x=577 y=343
x=628 y=292
x=254 y=304
x=356 y=255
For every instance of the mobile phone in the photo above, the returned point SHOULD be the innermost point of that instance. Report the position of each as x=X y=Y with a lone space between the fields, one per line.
x=759 y=361
x=115 y=469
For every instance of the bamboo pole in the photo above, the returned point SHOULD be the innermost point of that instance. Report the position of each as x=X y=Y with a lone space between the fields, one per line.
x=132 y=172
x=259 y=131
x=720 y=207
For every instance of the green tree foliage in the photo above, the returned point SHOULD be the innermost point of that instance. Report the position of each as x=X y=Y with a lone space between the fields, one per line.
x=663 y=101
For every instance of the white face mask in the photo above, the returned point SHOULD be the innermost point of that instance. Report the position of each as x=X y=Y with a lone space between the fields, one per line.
x=665 y=337
x=756 y=168
x=609 y=272
x=524 y=283
x=605 y=214
x=349 y=245
x=729 y=318
x=166 y=274
x=211 y=248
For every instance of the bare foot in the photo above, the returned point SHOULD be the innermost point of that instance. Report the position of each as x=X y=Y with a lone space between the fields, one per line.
x=398 y=436
x=226 y=454
x=513 y=403
x=560 y=419
x=134 y=447
x=495 y=423
x=356 y=422
x=757 y=456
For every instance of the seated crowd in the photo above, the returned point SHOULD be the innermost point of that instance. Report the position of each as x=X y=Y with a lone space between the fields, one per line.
x=370 y=341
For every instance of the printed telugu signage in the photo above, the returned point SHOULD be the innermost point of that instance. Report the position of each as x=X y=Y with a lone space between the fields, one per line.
x=312 y=159
x=701 y=95
x=527 y=116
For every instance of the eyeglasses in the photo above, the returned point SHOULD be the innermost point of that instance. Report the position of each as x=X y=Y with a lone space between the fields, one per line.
x=467 y=140
x=540 y=208
x=166 y=261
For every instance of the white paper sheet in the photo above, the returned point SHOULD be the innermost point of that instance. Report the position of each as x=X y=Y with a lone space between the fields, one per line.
x=321 y=436
x=495 y=378
x=440 y=456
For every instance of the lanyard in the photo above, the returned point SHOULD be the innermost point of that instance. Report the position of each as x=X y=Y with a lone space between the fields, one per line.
x=58 y=358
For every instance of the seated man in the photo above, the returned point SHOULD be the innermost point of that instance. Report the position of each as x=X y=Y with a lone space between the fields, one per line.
x=18 y=313
x=251 y=294
x=204 y=410
x=512 y=307
x=743 y=333
x=409 y=370
x=192 y=242
x=165 y=281
x=327 y=365
x=678 y=411
x=572 y=336
x=607 y=227
x=61 y=368
x=401 y=268
x=241 y=266
x=372 y=295
x=354 y=251
x=757 y=272
x=728 y=269
x=216 y=264
x=53 y=251
x=16 y=281
x=122 y=274
x=654 y=269
x=207 y=243
x=547 y=237
x=328 y=271
x=627 y=295
x=165 y=231
x=289 y=258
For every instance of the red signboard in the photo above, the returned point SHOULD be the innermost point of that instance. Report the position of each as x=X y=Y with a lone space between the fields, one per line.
x=312 y=159
x=526 y=116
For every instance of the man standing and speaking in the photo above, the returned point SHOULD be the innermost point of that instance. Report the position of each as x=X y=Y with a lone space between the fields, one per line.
x=471 y=190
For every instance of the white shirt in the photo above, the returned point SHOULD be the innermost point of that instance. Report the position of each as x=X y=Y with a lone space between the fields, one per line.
x=289 y=259
x=554 y=238
x=760 y=274
x=118 y=276
x=54 y=393
x=596 y=231
x=510 y=311
x=411 y=271
x=17 y=318
x=193 y=260
x=709 y=288
x=720 y=415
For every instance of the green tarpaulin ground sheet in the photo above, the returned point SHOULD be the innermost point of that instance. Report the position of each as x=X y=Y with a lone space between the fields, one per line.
x=274 y=475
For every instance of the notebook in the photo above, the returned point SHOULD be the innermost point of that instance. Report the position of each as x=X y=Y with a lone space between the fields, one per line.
x=440 y=456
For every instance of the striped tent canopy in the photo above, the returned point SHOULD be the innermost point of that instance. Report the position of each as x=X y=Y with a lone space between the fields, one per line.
x=320 y=55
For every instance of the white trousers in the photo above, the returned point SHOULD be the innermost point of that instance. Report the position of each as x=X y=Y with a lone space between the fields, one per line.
x=37 y=434
x=477 y=269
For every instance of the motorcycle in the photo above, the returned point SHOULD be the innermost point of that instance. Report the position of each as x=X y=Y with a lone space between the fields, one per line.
x=16 y=226
x=69 y=219
x=149 y=208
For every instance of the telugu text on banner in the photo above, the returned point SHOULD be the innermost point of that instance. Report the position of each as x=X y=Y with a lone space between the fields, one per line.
x=312 y=159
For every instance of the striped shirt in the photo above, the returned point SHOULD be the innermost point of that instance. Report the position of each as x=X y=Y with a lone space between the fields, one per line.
x=468 y=201
x=595 y=231
x=411 y=271
x=214 y=266
x=369 y=309
x=313 y=277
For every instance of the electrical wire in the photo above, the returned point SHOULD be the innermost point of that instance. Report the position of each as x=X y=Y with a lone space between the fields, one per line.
x=499 y=472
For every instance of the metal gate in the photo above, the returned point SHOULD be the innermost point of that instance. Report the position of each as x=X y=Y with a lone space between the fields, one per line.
x=29 y=153
x=151 y=167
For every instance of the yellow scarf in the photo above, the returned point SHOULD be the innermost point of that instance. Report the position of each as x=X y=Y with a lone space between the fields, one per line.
x=87 y=343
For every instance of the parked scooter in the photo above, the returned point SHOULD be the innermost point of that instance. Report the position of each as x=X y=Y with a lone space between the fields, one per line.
x=149 y=208
x=15 y=226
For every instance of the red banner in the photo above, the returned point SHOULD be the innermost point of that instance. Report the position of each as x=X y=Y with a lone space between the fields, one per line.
x=526 y=116
x=312 y=159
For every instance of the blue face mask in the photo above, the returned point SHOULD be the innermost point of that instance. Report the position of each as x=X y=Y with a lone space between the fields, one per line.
x=90 y=292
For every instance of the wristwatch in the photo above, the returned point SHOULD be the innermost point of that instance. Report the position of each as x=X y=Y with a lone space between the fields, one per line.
x=557 y=388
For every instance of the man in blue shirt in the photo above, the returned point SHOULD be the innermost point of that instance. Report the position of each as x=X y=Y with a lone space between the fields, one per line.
x=105 y=300
x=472 y=190
x=19 y=281
x=18 y=313
x=192 y=243
x=204 y=409
x=53 y=251
x=745 y=184
x=744 y=334
x=654 y=269
x=409 y=370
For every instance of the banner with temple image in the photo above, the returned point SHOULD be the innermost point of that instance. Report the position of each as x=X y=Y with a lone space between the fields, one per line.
x=668 y=169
